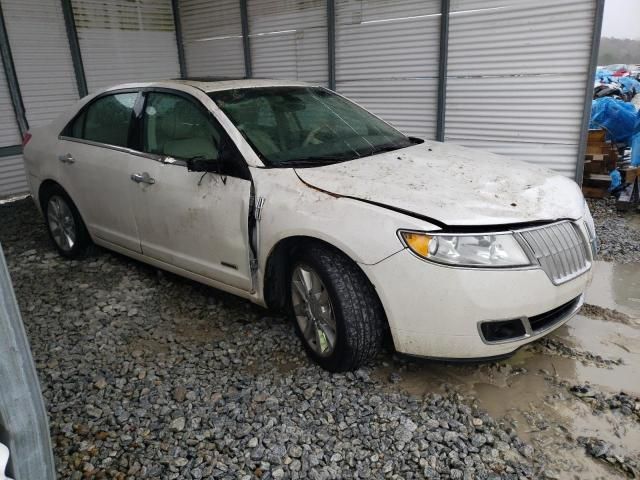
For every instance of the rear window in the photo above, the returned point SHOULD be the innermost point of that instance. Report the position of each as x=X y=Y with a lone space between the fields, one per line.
x=107 y=120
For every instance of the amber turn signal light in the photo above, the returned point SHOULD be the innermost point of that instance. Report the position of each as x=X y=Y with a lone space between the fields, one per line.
x=418 y=242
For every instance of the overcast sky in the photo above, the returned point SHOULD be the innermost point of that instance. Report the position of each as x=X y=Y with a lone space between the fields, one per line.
x=621 y=19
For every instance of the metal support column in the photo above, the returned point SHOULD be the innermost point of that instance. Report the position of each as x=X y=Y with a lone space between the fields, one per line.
x=23 y=419
x=442 y=69
x=246 y=45
x=588 y=96
x=175 y=5
x=331 y=42
x=12 y=78
x=74 y=47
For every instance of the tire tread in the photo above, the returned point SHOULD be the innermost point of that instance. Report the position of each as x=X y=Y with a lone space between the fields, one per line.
x=364 y=321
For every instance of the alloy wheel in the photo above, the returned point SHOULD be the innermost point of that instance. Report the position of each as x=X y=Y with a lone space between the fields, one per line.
x=313 y=310
x=61 y=223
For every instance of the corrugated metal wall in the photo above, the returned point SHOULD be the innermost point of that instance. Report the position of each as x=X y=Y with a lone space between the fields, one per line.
x=212 y=38
x=387 y=59
x=13 y=179
x=120 y=41
x=12 y=176
x=289 y=39
x=41 y=57
x=126 y=41
x=9 y=132
x=516 y=77
x=43 y=66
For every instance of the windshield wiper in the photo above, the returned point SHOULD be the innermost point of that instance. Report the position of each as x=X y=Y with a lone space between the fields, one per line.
x=316 y=161
x=388 y=148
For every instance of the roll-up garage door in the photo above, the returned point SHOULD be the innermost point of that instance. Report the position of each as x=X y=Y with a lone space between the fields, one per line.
x=387 y=59
x=212 y=38
x=41 y=57
x=12 y=176
x=517 y=76
x=126 y=41
x=289 y=39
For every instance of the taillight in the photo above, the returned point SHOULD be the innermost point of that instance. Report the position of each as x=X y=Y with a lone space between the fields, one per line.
x=25 y=139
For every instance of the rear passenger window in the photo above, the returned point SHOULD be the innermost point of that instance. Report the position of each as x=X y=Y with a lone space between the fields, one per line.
x=107 y=120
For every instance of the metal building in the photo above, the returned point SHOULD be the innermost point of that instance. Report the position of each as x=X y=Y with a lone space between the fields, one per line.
x=512 y=76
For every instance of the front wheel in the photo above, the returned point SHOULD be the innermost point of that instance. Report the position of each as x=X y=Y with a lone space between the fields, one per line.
x=336 y=311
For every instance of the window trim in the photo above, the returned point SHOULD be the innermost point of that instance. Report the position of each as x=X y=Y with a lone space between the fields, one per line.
x=139 y=130
x=134 y=137
x=139 y=120
x=83 y=110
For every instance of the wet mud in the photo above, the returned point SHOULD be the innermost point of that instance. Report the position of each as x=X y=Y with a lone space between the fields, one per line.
x=574 y=395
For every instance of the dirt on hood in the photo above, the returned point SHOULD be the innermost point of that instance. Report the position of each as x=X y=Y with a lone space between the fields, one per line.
x=453 y=185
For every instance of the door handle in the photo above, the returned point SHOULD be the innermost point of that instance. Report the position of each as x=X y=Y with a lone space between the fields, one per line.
x=67 y=158
x=142 y=178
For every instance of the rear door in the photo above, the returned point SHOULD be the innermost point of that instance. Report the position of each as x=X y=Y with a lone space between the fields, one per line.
x=95 y=165
x=193 y=220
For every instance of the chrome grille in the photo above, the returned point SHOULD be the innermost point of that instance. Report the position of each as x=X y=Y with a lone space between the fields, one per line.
x=560 y=249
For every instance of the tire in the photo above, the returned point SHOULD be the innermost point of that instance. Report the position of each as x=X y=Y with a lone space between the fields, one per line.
x=360 y=323
x=66 y=229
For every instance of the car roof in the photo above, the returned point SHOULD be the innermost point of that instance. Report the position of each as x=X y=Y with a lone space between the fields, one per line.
x=208 y=85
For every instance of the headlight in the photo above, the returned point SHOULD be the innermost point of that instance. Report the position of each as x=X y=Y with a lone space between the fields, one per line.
x=588 y=220
x=491 y=250
x=591 y=229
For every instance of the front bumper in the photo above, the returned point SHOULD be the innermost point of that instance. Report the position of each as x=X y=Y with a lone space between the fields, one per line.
x=436 y=311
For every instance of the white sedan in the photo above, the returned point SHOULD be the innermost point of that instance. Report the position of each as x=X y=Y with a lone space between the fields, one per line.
x=295 y=198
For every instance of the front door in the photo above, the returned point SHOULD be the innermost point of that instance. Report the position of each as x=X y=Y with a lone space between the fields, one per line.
x=94 y=168
x=193 y=220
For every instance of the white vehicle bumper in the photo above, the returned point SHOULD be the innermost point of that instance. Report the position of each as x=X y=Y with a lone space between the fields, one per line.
x=436 y=311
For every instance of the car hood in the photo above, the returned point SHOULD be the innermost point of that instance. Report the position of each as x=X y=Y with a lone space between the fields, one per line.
x=452 y=185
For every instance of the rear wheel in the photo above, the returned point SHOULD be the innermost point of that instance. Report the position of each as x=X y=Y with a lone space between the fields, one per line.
x=65 y=226
x=336 y=311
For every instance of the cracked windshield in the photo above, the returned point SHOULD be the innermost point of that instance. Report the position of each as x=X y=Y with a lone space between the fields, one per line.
x=297 y=126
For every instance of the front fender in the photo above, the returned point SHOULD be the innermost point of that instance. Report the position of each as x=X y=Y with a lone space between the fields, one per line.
x=365 y=232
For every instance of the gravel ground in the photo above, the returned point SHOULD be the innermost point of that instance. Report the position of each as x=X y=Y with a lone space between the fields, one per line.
x=619 y=233
x=147 y=375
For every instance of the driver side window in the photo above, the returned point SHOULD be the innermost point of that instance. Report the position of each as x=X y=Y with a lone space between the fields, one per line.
x=174 y=126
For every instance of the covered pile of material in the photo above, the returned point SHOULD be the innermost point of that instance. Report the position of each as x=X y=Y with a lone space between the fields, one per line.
x=612 y=162
x=615 y=109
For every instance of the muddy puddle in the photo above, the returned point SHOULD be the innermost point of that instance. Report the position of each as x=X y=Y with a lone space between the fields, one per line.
x=616 y=286
x=558 y=392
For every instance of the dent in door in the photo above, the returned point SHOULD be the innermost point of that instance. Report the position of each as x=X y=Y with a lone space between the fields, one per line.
x=198 y=222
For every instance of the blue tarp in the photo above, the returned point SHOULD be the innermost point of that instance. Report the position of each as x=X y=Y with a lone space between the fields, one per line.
x=604 y=76
x=635 y=149
x=616 y=180
x=617 y=117
x=629 y=84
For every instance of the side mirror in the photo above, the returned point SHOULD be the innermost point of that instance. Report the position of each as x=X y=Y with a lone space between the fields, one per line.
x=201 y=164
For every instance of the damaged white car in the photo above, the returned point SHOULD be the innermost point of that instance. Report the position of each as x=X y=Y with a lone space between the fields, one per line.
x=295 y=198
